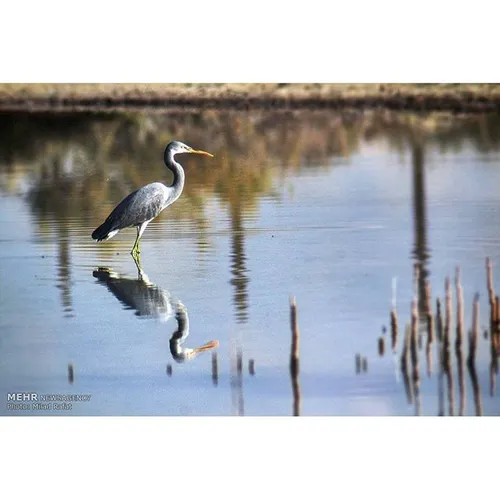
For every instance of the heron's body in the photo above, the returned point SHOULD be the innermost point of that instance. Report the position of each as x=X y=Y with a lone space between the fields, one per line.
x=140 y=207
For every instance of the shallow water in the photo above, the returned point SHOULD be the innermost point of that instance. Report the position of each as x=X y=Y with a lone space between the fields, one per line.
x=334 y=210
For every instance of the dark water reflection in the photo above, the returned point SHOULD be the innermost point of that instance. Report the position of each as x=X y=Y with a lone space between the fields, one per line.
x=329 y=207
x=149 y=300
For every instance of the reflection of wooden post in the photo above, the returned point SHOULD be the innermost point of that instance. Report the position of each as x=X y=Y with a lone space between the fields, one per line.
x=473 y=336
x=439 y=335
x=71 y=373
x=460 y=308
x=419 y=216
x=394 y=329
x=414 y=355
x=459 y=340
x=471 y=359
x=358 y=363
x=430 y=327
x=404 y=366
x=294 y=357
x=215 y=369
x=237 y=380
x=381 y=346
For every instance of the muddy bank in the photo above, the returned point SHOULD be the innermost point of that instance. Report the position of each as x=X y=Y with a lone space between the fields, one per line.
x=456 y=98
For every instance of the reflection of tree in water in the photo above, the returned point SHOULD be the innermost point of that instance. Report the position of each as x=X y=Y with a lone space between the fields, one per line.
x=77 y=167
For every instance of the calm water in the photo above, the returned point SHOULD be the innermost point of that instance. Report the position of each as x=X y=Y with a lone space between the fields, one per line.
x=334 y=210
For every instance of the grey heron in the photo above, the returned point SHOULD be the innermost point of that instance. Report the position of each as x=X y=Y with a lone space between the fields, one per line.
x=140 y=207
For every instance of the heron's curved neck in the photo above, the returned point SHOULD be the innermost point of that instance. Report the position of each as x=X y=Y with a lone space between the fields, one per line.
x=178 y=182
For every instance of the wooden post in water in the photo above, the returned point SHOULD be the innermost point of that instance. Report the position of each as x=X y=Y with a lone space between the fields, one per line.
x=446 y=358
x=496 y=332
x=494 y=306
x=494 y=345
x=294 y=357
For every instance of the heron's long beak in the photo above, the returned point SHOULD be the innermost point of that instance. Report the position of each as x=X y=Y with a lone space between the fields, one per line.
x=206 y=347
x=201 y=153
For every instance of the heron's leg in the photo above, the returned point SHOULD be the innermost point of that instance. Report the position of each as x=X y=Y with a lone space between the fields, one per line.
x=135 y=249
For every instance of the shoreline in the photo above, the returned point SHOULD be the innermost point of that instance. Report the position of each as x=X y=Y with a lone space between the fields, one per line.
x=455 y=98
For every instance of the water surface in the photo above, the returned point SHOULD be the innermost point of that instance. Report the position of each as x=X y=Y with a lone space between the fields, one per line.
x=332 y=209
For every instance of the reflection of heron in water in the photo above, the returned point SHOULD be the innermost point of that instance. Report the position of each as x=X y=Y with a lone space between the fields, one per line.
x=139 y=208
x=150 y=300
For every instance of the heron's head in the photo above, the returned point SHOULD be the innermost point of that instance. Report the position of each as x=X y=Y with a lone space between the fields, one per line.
x=177 y=147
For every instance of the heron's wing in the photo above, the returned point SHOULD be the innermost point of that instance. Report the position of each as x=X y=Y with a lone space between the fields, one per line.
x=138 y=207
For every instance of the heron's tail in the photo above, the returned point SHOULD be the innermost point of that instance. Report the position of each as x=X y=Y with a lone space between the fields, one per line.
x=103 y=232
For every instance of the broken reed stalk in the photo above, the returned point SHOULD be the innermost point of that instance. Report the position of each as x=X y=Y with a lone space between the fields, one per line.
x=446 y=358
x=494 y=346
x=489 y=280
x=394 y=329
x=294 y=357
x=496 y=332
x=494 y=307
x=447 y=312
x=473 y=335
